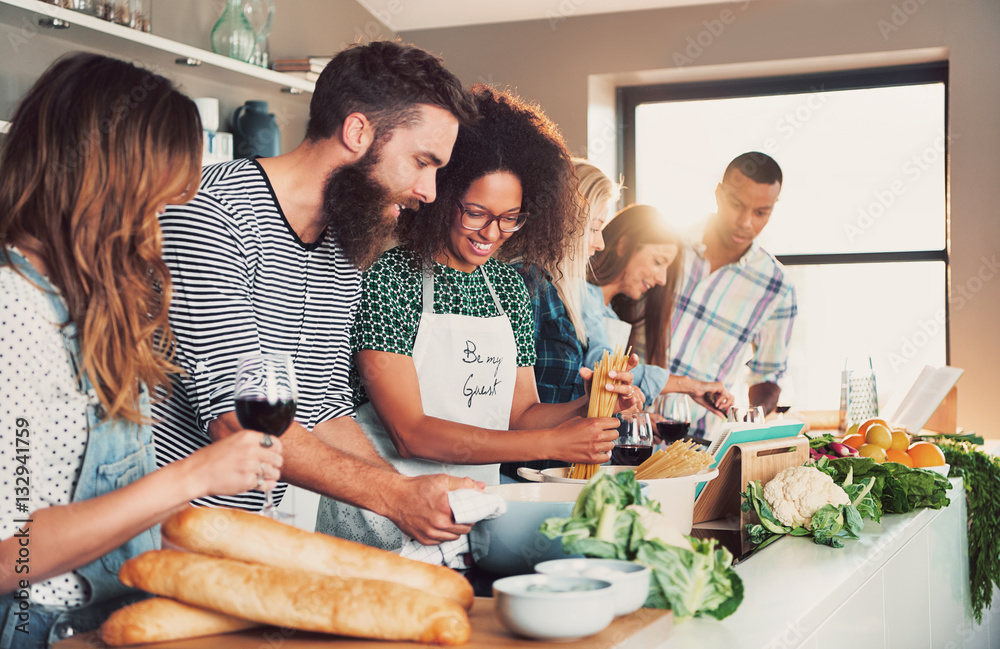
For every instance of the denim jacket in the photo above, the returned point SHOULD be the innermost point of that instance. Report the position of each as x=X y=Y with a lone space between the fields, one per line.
x=118 y=452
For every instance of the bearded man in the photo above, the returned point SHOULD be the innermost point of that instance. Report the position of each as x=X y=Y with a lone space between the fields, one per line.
x=267 y=258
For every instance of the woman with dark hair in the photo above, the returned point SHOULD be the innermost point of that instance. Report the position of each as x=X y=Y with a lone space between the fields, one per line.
x=443 y=339
x=634 y=279
x=95 y=150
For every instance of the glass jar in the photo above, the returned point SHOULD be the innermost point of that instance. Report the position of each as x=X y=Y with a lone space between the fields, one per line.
x=232 y=35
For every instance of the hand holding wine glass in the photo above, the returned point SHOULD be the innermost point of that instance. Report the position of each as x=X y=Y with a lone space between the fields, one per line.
x=265 y=396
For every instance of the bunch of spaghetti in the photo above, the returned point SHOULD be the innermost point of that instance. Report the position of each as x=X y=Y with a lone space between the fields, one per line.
x=679 y=459
x=602 y=400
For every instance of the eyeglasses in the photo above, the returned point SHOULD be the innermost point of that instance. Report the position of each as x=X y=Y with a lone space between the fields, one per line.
x=474 y=219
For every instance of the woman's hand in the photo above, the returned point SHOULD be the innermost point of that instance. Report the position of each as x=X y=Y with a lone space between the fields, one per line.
x=587 y=440
x=235 y=464
x=630 y=398
x=712 y=395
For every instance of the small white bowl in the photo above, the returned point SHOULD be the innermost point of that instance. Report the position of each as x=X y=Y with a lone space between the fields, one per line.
x=629 y=580
x=553 y=607
x=943 y=469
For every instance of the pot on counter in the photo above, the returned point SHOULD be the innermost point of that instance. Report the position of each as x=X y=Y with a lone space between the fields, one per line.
x=255 y=131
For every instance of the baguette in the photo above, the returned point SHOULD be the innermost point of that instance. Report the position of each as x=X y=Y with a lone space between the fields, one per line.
x=364 y=608
x=236 y=534
x=158 y=620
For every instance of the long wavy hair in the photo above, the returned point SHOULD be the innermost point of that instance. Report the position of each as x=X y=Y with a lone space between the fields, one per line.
x=94 y=148
x=639 y=225
x=596 y=193
x=511 y=136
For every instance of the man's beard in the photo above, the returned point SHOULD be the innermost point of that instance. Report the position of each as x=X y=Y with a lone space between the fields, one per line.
x=356 y=207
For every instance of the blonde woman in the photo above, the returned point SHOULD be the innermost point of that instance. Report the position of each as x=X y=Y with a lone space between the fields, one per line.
x=95 y=150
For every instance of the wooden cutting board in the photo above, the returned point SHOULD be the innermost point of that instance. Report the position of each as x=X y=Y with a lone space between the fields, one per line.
x=647 y=627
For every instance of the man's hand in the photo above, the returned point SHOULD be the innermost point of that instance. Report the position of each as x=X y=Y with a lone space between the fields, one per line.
x=421 y=510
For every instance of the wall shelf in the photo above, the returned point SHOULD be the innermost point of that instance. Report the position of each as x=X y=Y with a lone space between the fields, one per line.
x=30 y=18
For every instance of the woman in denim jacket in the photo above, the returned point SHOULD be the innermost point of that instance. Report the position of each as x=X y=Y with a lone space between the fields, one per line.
x=95 y=150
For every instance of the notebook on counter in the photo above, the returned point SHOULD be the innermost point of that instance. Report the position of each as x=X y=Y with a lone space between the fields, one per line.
x=739 y=433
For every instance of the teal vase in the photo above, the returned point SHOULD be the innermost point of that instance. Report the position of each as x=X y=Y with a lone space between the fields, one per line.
x=232 y=35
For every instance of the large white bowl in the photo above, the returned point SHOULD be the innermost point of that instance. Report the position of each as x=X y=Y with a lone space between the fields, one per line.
x=511 y=544
x=675 y=495
x=629 y=580
x=553 y=607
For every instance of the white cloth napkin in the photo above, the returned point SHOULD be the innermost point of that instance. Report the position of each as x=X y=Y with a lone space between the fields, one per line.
x=468 y=506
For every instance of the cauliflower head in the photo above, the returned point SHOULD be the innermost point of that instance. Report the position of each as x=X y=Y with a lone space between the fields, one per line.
x=798 y=492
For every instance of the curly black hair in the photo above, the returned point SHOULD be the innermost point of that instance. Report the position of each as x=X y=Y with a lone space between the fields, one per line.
x=514 y=136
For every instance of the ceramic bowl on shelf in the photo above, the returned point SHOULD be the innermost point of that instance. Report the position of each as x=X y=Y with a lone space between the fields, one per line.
x=553 y=607
x=629 y=580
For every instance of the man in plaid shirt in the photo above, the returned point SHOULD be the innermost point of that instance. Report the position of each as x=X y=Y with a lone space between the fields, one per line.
x=734 y=292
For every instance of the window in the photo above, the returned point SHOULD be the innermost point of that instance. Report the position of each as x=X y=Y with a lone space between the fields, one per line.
x=861 y=224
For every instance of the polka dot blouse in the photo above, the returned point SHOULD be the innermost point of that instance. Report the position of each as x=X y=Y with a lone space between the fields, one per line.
x=37 y=384
x=391 y=304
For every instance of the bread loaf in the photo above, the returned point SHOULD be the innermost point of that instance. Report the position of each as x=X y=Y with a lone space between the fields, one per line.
x=235 y=534
x=364 y=608
x=158 y=620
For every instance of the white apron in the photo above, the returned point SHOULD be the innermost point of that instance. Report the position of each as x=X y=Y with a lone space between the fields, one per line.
x=466 y=368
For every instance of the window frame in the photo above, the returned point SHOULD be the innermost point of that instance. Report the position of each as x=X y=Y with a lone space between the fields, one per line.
x=629 y=98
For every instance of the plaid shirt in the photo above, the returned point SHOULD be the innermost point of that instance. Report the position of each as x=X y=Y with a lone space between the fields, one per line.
x=560 y=353
x=717 y=315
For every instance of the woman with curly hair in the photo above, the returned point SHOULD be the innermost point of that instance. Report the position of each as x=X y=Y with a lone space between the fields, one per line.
x=95 y=150
x=634 y=279
x=443 y=339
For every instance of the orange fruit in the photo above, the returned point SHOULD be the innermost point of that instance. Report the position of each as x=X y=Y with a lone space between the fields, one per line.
x=868 y=423
x=854 y=441
x=896 y=455
x=873 y=451
x=879 y=435
x=925 y=454
x=900 y=440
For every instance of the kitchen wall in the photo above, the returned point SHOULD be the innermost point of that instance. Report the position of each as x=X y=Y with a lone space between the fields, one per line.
x=563 y=61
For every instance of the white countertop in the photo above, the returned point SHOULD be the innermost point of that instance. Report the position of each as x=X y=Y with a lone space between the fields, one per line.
x=794 y=586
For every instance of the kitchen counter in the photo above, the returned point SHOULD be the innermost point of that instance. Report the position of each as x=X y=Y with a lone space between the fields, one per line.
x=904 y=584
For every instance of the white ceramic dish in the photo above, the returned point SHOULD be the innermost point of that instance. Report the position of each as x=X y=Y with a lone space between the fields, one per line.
x=553 y=607
x=629 y=580
x=943 y=469
x=675 y=495
x=511 y=544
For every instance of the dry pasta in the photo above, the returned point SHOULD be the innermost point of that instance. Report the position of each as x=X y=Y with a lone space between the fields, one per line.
x=679 y=459
x=602 y=401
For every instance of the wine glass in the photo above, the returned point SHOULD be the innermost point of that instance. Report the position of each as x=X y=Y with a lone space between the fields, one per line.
x=635 y=441
x=754 y=415
x=784 y=401
x=265 y=397
x=675 y=408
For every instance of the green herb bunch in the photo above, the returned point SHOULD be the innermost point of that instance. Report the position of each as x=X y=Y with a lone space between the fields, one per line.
x=980 y=473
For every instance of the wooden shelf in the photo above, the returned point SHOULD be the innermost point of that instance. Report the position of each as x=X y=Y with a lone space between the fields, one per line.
x=32 y=17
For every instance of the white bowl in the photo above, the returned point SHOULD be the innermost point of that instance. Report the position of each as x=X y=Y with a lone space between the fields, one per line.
x=943 y=469
x=553 y=607
x=629 y=580
x=675 y=495
x=511 y=543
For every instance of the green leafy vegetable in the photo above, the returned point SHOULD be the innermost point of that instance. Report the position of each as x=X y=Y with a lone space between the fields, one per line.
x=898 y=489
x=981 y=474
x=692 y=577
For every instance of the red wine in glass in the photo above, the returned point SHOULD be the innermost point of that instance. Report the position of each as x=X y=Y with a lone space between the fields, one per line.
x=271 y=418
x=671 y=431
x=630 y=454
x=265 y=394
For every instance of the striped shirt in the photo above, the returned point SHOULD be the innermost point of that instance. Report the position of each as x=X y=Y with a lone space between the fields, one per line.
x=245 y=283
x=718 y=314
